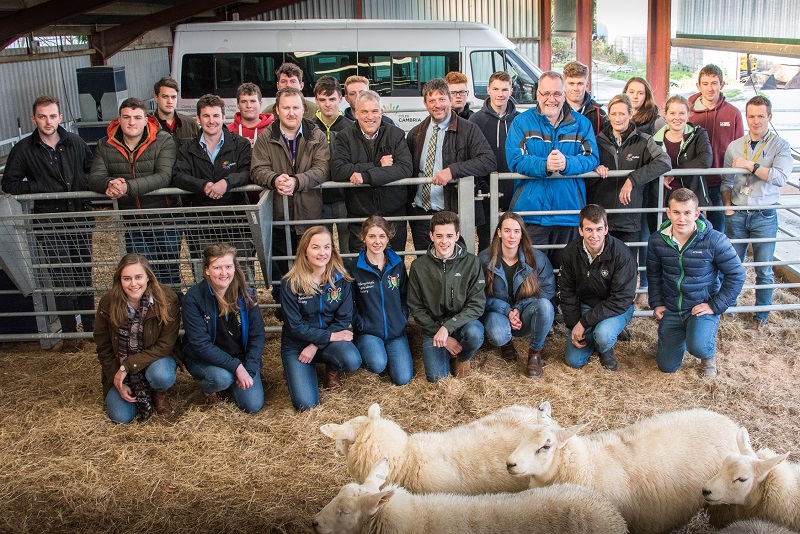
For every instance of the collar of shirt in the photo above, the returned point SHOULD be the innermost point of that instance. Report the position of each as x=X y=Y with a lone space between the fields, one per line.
x=442 y=126
x=132 y=311
x=589 y=254
x=375 y=136
x=672 y=236
x=212 y=153
x=299 y=132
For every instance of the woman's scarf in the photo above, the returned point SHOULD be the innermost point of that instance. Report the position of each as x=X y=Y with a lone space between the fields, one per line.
x=131 y=341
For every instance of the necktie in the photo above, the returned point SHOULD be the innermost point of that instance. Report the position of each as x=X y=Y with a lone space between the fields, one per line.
x=430 y=158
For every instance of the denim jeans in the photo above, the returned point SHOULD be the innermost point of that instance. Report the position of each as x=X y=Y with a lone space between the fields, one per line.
x=679 y=331
x=437 y=359
x=716 y=218
x=160 y=375
x=394 y=354
x=600 y=337
x=162 y=248
x=750 y=225
x=342 y=356
x=537 y=318
x=213 y=379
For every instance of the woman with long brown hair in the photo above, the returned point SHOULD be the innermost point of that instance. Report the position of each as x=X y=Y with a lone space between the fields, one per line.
x=519 y=285
x=224 y=339
x=317 y=303
x=136 y=332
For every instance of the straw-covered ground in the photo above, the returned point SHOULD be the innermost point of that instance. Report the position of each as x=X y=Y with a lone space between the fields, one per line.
x=66 y=468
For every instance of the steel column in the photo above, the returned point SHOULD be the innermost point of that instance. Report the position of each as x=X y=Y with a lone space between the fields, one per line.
x=545 y=34
x=659 y=14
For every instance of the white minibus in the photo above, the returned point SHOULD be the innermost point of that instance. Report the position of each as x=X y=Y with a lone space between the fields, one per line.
x=397 y=56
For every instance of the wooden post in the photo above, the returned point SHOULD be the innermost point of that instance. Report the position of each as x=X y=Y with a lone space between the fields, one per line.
x=584 y=13
x=545 y=34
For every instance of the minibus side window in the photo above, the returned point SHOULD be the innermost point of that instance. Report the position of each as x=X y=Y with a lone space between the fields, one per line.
x=340 y=65
x=405 y=74
x=260 y=70
x=523 y=82
x=227 y=74
x=377 y=68
x=484 y=64
x=437 y=65
x=197 y=75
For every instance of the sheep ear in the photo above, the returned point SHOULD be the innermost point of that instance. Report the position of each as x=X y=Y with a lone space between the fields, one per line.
x=545 y=411
x=374 y=411
x=377 y=475
x=374 y=502
x=565 y=434
x=743 y=440
x=762 y=467
x=336 y=432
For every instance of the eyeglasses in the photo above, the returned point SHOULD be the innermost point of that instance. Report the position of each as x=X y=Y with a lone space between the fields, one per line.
x=459 y=93
x=556 y=94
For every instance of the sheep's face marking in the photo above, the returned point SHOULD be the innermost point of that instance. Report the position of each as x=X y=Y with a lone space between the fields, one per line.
x=733 y=483
x=535 y=453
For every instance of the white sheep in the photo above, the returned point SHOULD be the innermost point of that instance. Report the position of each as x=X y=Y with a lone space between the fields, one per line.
x=565 y=509
x=755 y=526
x=757 y=486
x=652 y=471
x=468 y=459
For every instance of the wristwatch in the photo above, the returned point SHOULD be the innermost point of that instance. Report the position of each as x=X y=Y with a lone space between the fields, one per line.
x=122 y=368
x=756 y=166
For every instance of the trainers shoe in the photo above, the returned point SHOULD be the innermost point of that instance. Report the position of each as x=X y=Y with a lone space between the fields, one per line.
x=759 y=325
x=625 y=335
x=608 y=360
x=709 y=367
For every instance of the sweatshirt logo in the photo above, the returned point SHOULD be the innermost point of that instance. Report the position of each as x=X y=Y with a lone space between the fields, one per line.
x=604 y=273
x=631 y=157
x=334 y=295
x=226 y=165
x=728 y=123
x=393 y=282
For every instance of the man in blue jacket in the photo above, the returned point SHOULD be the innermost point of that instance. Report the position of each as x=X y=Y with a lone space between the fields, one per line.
x=545 y=143
x=684 y=260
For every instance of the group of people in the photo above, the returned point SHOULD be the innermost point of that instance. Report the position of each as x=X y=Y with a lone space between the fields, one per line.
x=509 y=290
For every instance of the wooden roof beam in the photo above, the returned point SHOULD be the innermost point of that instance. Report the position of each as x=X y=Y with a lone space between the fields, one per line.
x=25 y=21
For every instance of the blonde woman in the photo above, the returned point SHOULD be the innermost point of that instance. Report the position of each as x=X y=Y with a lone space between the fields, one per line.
x=224 y=337
x=317 y=302
x=136 y=332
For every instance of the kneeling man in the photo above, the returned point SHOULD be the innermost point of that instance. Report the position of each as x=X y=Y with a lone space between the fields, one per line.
x=597 y=283
x=684 y=260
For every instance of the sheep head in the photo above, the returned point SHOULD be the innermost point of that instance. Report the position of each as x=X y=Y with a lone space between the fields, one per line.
x=737 y=479
x=356 y=504
x=346 y=433
x=538 y=448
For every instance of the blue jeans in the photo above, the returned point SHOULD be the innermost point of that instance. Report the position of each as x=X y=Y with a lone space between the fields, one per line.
x=600 y=337
x=679 y=331
x=162 y=248
x=213 y=379
x=342 y=356
x=716 y=218
x=378 y=354
x=437 y=359
x=537 y=318
x=750 y=225
x=160 y=375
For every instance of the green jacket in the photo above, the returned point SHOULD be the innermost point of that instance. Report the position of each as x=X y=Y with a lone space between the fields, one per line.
x=147 y=168
x=446 y=293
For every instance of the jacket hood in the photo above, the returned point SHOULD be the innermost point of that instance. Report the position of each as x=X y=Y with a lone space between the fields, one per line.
x=587 y=100
x=511 y=107
x=115 y=138
x=264 y=120
x=460 y=248
x=688 y=132
x=696 y=96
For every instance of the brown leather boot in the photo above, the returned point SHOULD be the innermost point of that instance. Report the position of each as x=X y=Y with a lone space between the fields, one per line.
x=333 y=379
x=460 y=369
x=508 y=352
x=534 y=368
x=211 y=398
x=161 y=403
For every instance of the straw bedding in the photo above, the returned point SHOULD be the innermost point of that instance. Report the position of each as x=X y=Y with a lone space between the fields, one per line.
x=67 y=468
